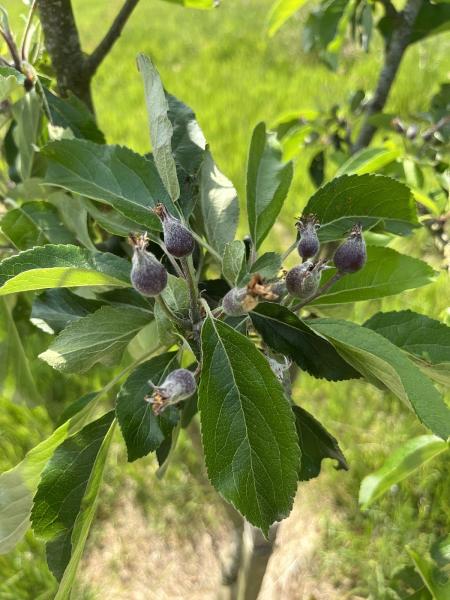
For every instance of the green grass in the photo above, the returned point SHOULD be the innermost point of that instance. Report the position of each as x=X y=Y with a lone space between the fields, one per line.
x=223 y=66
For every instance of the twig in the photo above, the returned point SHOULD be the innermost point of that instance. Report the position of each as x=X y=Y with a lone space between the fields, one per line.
x=390 y=9
x=188 y=269
x=319 y=292
x=291 y=249
x=24 y=44
x=112 y=35
x=12 y=49
x=393 y=57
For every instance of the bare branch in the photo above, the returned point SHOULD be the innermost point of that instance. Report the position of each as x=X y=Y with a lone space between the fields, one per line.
x=112 y=35
x=393 y=57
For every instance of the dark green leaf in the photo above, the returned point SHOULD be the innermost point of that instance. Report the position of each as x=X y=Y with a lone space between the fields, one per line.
x=316 y=444
x=160 y=125
x=34 y=224
x=433 y=18
x=112 y=174
x=367 y=199
x=72 y=113
x=285 y=333
x=399 y=465
x=386 y=273
x=218 y=204
x=268 y=182
x=379 y=361
x=53 y=266
x=61 y=493
x=99 y=337
x=53 y=310
x=426 y=339
x=142 y=431
x=248 y=428
x=316 y=168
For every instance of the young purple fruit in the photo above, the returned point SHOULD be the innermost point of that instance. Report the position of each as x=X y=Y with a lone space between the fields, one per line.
x=177 y=237
x=148 y=275
x=303 y=281
x=238 y=302
x=178 y=385
x=351 y=256
x=309 y=244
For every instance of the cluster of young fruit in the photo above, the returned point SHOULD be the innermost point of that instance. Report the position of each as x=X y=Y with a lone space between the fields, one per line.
x=149 y=277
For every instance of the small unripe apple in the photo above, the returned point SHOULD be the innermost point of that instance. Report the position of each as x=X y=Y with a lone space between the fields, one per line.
x=351 y=256
x=148 y=275
x=178 y=240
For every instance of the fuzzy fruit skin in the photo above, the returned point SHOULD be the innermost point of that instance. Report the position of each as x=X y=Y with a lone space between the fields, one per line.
x=148 y=275
x=178 y=385
x=302 y=281
x=178 y=239
x=351 y=256
x=309 y=244
x=238 y=302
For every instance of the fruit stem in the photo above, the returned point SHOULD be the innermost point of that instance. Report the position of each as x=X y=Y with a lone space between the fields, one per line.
x=174 y=263
x=291 y=249
x=189 y=274
x=319 y=292
x=183 y=323
x=206 y=246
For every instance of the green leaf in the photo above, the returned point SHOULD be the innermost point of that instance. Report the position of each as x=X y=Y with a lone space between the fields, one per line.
x=399 y=465
x=267 y=265
x=160 y=126
x=280 y=12
x=285 y=333
x=27 y=114
x=10 y=80
x=368 y=160
x=72 y=113
x=218 y=204
x=114 y=175
x=248 y=428
x=268 y=182
x=176 y=296
x=142 y=431
x=16 y=378
x=19 y=484
x=316 y=444
x=99 y=337
x=233 y=262
x=54 y=266
x=74 y=215
x=377 y=359
x=53 y=310
x=426 y=339
x=435 y=579
x=34 y=224
x=188 y=141
x=111 y=220
x=60 y=496
x=367 y=199
x=385 y=273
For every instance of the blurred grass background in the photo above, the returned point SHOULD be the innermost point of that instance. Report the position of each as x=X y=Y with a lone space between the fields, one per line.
x=222 y=64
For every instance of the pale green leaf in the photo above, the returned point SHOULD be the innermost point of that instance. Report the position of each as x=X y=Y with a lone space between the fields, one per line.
x=267 y=265
x=161 y=130
x=436 y=580
x=280 y=12
x=218 y=204
x=99 y=337
x=53 y=266
x=233 y=262
x=369 y=160
x=399 y=465
x=27 y=113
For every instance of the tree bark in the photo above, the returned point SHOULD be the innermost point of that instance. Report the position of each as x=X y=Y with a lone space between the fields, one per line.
x=393 y=57
x=63 y=45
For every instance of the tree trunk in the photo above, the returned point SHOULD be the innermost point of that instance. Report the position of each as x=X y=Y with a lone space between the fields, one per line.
x=256 y=553
x=393 y=57
x=63 y=45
